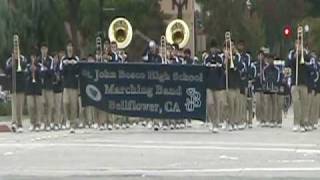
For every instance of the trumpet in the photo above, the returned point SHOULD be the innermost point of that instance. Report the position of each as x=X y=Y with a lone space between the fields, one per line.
x=228 y=47
x=16 y=50
x=163 y=49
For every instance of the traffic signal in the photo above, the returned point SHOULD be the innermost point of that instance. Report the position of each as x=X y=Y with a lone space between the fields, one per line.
x=287 y=31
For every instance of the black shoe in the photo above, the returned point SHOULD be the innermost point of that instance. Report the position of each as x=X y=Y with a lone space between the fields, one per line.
x=14 y=127
x=156 y=128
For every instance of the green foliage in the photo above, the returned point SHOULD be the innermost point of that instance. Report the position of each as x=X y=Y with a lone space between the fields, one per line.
x=143 y=15
x=265 y=24
x=39 y=21
x=47 y=20
x=230 y=15
x=313 y=37
x=5 y=109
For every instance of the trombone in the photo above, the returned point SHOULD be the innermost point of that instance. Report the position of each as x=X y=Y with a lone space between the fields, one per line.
x=228 y=48
x=16 y=50
x=299 y=47
x=99 y=48
x=163 y=49
x=33 y=61
x=16 y=54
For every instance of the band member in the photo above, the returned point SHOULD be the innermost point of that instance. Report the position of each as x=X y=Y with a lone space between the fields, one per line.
x=18 y=92
x=113 y=53
x=216 y=99
x=107 y=53
x=57 y=91
x=86 y=114
x=284 y=91
x=314 y=96
x=106 y=56
x=173 y=55
x=47 y=79
x=117 y=56
x=69 y=68
x=151 y=55
x=180 y=55
x=176 y=57
x=234 y=68
x=187 y=59
x=300 y=56
x=245 y=101
x=256 y=73
x=34 y=92
x=271 y=83
x=104 y=119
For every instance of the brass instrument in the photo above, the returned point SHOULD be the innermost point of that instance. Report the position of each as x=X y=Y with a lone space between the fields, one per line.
x=300 y=44
x=33 y=69
x=177 y=32
x=301 y=48
x=99 y=48
x=163 y=49
x=16 y=54
x=16 y=50
x=228 y=47
x=120 y=31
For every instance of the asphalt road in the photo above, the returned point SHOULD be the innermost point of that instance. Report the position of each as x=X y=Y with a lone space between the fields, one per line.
x=140 y=153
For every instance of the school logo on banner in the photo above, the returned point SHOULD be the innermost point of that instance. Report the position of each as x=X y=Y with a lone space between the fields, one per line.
x=193 y=100
x=93 y=93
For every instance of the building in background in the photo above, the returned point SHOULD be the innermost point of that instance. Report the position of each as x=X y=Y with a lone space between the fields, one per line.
x=183 y=9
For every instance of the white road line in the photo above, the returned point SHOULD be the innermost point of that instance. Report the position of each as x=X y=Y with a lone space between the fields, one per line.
x=293 y=161
x=195 y=172
x=228 y=157
x=168 y=147
x=201 y=143
x=8 y=153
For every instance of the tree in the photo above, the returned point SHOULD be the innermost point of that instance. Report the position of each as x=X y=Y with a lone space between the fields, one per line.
x=56 y=21
x=230 y=15
x=144 y=15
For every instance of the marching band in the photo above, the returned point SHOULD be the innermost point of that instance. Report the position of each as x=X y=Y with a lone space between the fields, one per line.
x=240 y=88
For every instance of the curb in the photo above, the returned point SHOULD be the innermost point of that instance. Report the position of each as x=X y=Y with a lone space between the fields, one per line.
x=4 y=128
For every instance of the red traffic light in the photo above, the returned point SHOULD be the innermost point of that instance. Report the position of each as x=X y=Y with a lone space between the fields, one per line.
x=287 y=31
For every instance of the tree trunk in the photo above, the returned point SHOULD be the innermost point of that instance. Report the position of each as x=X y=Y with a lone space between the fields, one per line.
x=73 y=18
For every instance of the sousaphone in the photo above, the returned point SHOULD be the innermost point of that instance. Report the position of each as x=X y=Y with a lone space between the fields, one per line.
x=178 y=32
x=120 y=31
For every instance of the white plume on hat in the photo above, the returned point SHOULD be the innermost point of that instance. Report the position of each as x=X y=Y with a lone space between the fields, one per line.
x=152 y=44
x=265 y=50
